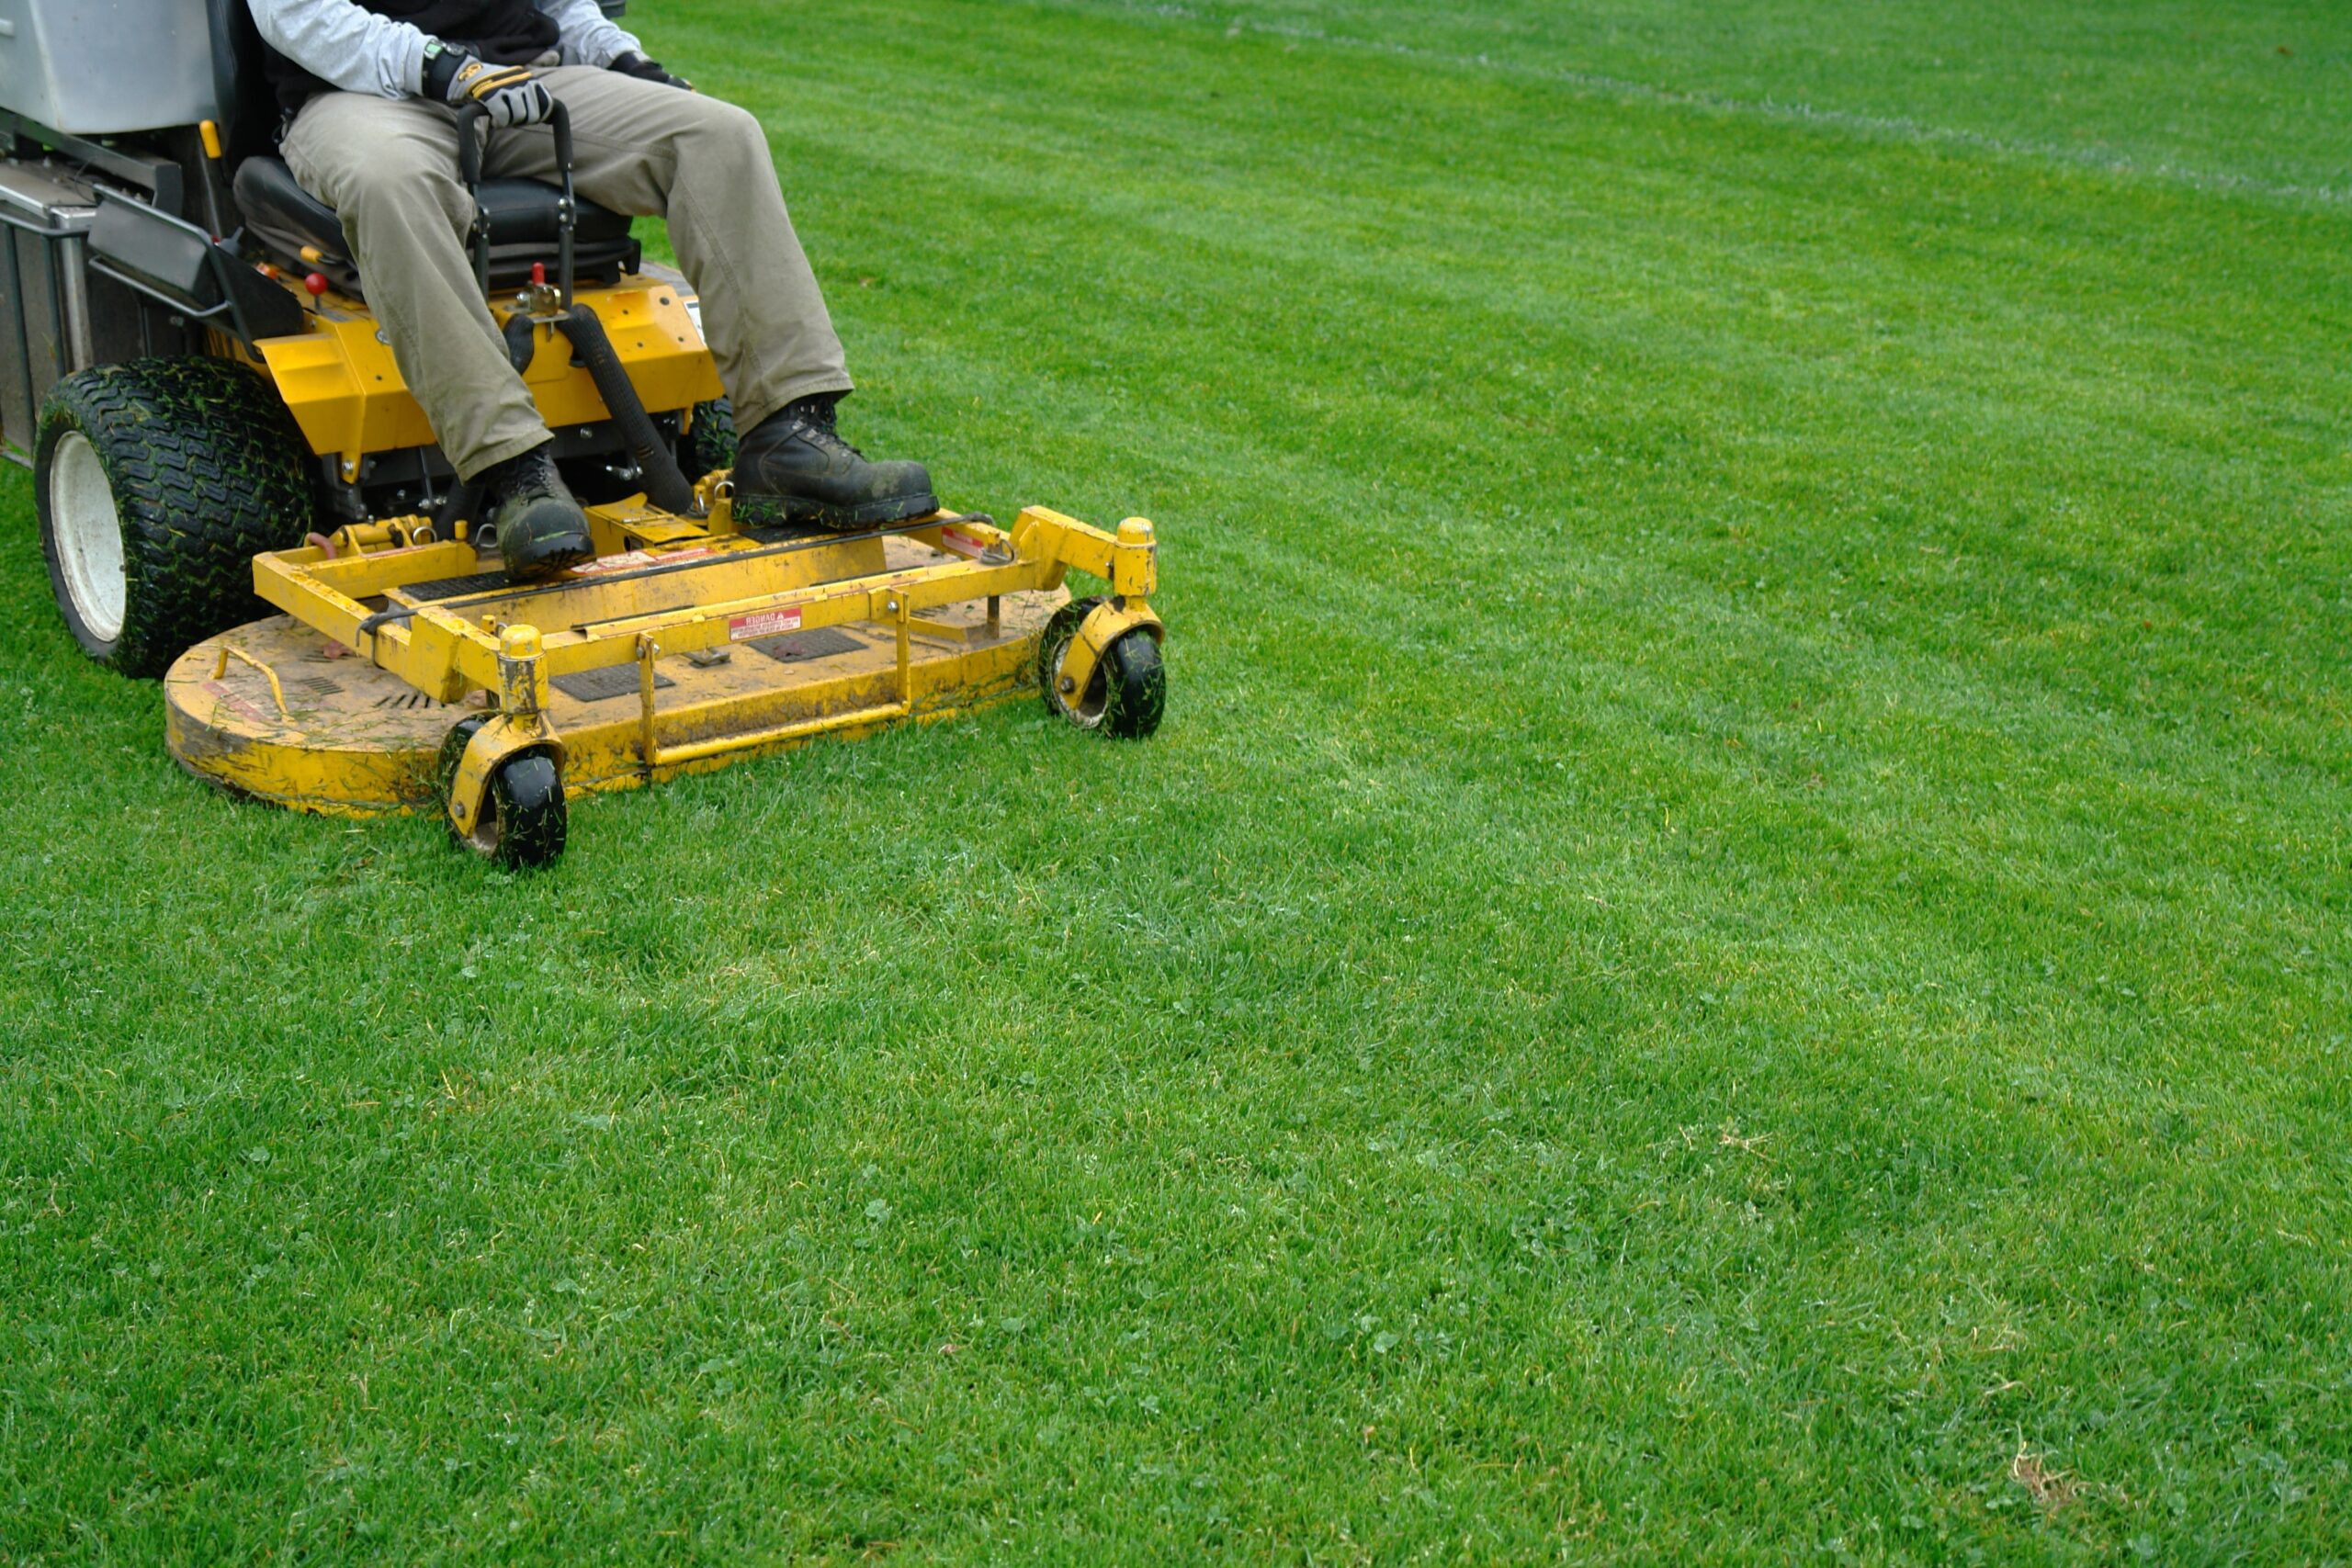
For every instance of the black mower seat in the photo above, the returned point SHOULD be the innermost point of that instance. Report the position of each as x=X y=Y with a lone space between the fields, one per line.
x=524 y=228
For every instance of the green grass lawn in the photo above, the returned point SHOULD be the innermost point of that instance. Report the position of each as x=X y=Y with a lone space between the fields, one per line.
x=1738 y=943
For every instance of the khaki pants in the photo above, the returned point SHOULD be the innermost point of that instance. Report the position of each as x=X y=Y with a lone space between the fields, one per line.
x=389 y=167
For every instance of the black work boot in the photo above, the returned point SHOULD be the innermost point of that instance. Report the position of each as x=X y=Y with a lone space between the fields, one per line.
x=792 y=468
x=540 y=527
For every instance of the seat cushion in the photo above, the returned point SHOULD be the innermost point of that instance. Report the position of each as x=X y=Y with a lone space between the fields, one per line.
x=524 y=226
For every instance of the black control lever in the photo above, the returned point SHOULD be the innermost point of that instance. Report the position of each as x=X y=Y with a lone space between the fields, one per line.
x=469 y=156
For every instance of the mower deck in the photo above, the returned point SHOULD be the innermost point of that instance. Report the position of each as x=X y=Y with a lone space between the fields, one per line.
x=679 y=649
x=356 y=740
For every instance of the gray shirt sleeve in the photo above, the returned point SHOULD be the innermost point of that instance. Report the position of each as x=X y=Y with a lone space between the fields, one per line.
x=363 y=53
x=589 y=38
x=336 y=42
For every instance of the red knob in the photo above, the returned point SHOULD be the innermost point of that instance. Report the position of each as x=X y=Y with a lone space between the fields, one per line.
x=538 y=274
x=316 y=283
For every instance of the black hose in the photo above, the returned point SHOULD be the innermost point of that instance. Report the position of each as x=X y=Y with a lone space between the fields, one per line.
x=665 y=484
x=522 y=341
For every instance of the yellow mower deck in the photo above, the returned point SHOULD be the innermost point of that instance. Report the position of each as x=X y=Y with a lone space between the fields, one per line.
x=685 y=645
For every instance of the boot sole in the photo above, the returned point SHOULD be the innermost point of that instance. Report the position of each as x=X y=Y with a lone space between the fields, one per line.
x=543 y=558
x=768 y=511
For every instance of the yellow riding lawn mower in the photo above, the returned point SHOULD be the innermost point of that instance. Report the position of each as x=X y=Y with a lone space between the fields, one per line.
x=217 y=427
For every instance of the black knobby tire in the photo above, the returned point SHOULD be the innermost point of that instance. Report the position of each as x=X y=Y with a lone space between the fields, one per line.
x=203 y=469
x=1128 y=691
x=708 y=444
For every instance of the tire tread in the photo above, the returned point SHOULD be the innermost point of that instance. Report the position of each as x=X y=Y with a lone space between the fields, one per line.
x=206 y=468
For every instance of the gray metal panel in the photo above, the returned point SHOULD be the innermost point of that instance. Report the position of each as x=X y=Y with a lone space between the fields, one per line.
x=44 y=311
x=47 y=195
x=55 y=316
x=100 y=67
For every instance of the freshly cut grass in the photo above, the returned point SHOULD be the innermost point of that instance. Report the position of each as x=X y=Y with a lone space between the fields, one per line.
x=1737 y=944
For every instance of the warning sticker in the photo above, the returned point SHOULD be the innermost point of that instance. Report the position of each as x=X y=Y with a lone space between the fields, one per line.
x=635 y=559
x=966 y=544
x=765 y=623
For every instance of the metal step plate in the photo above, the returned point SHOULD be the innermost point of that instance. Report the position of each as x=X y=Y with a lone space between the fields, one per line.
x=604 y=685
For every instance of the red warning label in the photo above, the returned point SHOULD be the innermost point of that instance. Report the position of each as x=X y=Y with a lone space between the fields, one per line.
x=634 y=559
x=765 y=623
x=964 y=544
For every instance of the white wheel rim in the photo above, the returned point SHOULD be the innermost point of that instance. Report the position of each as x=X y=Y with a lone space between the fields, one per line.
x=87 y=531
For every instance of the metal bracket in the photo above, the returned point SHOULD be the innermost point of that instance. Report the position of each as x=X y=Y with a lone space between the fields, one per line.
x=656 y=756
x=276 y=692
x=1104 y=625
x=503 y=737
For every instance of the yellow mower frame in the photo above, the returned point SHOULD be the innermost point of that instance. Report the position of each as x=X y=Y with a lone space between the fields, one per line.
x=346 y=394
x=950 y=612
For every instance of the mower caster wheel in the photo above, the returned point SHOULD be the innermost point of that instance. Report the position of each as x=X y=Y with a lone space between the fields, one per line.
x=527 y=812
x=1129 y=688
x=523 y=820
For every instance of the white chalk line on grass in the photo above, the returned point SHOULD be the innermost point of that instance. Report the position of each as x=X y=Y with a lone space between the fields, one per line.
x=1892 y=128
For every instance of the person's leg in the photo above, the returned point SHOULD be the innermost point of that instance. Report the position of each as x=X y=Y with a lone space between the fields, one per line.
x=642 y=147
x=389 y=167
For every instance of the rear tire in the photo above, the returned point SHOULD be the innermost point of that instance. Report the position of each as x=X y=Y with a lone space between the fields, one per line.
x=157 y=481
x=708 y=444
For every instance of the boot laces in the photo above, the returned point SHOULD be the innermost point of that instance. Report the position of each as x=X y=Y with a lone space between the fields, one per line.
x=532 y=476
x=825 y=437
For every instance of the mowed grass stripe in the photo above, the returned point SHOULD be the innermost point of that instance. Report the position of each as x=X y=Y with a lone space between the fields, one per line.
x=2236 y=101
x=2223 y=495
x=2334 y=840
x=1433 y=562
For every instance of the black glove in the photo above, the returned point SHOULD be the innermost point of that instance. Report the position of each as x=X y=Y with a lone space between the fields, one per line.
x=631 y=64
x=510 y=93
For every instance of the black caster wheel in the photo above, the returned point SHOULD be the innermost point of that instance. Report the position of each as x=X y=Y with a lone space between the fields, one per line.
x=1129 y=689
x=523 y=821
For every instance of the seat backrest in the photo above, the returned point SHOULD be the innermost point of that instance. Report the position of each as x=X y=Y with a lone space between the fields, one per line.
x=248 y=112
